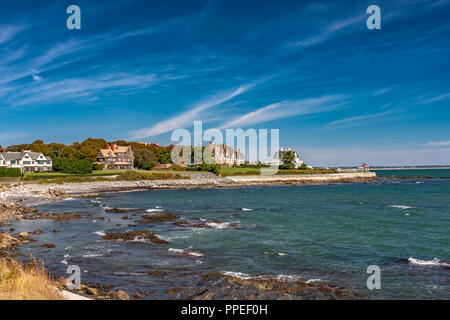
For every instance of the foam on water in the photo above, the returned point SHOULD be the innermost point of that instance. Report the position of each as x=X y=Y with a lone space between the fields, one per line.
x=154 y=210
x=434 y=262
x=401 y=207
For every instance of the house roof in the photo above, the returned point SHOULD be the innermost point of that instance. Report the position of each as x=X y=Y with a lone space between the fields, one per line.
x=8 y=156
x=107 y=153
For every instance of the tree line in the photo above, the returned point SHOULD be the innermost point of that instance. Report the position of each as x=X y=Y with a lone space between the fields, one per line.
x=79 y=157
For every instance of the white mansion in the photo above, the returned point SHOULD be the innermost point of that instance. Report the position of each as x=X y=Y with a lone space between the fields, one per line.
x=26 y=161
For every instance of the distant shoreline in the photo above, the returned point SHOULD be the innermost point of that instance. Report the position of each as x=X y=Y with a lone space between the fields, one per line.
x=409 y=168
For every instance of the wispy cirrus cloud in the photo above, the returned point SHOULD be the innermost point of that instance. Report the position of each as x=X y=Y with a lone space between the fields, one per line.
x=286 y=109
x=360 y=120
x=189 y=116
x=438 y=144
x=329 y=31
x=88 y=87
x=8 y=137
x=10 y=31
x=437 y=98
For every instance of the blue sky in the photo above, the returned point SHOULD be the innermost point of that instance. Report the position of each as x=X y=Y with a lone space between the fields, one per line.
x=340 y=94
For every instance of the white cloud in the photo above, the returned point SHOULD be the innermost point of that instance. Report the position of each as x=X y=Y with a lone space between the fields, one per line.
x=8 y=137
x=438 y=144
x=9 y=31
x=360 y=120
x=285 y=109
x=437 y=98
x=329 y=31
x=189 y=116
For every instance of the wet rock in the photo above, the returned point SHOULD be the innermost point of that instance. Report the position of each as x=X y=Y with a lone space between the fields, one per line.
x=57 y=217
x=101 y=218
x=218 y=286
x=137 y=295
x=55 y=230
x=23 y=234
x=11 y=212
x=56 y=194
x=180 y=223
x=125 y=218
x=49 y=245
x=121 y=295
x=7 y=241
x=135 y=236
x=116 y=210
x=37 y=232
x=90 y=196
x=159 y=217
x=122 y=210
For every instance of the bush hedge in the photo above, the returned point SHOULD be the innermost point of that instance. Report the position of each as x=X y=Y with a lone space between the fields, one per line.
x=72 y=165
x=10 y=172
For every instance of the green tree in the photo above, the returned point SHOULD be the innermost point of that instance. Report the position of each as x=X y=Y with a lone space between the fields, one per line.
x=288 y=160
x=303 y=166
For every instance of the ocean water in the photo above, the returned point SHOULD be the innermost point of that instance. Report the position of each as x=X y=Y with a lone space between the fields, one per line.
x=325 y=234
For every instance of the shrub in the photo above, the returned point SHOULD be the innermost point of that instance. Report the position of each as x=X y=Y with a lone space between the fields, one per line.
x=99 y=166
x=72 y=165
x=214 y=168
x=10 y=172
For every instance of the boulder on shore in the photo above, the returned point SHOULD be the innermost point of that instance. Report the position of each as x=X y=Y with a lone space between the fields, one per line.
x=7 y=241
x=135 y=236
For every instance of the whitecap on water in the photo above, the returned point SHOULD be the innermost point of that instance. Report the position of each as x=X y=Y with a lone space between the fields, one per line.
x=314 y=280
x=154 y=210
x=401 y=207
x=186 y=251
x=99 y=232
x=434 y=262
x=246 y=209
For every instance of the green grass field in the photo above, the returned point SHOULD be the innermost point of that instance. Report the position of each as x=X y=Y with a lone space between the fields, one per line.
x=224 y=171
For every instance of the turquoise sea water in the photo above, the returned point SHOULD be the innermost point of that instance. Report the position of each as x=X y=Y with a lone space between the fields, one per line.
x=330 y=233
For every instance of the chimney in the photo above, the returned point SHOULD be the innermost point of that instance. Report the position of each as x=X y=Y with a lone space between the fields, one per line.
x=22 y=150
x=108 y=147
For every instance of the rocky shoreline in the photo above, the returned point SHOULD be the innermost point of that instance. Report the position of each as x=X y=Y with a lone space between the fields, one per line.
x=32 y=192
x=217 y=286
x=211 y=286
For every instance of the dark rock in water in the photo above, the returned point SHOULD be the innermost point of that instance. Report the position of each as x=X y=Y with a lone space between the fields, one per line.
x=101 y=218
x=125 y=218
x=37 y=232
x=180 y=223
x=137 y=295
x=90 y=196
x=55 y=230
x=57 y=217
x=158 y=217
x=49 y=245
x=121 y=210
x=134 y=236
x=116 y=210
x=218 y=287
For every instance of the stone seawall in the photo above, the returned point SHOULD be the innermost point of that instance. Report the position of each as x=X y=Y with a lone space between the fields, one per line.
x=312 y=178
